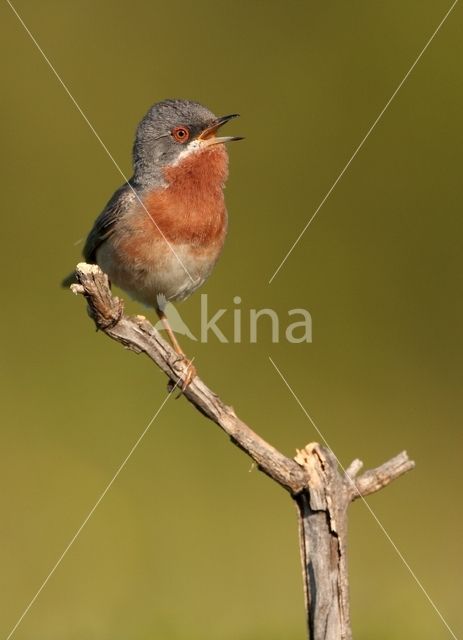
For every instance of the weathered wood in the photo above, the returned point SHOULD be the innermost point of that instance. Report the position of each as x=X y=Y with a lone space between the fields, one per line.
x=140 y=336
x=375 y=479
x=321 y=490
x=323 y=537
x=322 y=508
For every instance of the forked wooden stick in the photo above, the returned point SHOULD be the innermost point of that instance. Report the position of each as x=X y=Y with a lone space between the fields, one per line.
x=321 y=490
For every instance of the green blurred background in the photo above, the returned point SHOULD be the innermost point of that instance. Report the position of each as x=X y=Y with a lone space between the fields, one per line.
x=189 y=543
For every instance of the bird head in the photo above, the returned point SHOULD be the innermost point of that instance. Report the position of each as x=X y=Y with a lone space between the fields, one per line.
x=171 y=131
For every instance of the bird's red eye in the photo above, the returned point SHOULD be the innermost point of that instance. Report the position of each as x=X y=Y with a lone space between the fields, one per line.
x=181 y=134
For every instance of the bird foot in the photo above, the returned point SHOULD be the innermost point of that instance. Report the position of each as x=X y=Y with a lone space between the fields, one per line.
x=190 y=373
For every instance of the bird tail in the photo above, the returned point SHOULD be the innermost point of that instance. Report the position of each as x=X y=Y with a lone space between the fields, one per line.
x=70 y=279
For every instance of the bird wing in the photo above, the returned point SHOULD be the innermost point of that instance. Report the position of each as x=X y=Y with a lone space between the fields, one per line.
x=120 y=202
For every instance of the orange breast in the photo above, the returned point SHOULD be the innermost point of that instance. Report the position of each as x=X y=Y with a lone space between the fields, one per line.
x=191 y=209
x=190 y=214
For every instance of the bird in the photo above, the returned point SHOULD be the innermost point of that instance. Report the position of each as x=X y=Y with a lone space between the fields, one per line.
x=162 y=232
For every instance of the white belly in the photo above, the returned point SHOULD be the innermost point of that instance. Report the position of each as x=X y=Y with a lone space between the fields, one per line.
x=174 y=276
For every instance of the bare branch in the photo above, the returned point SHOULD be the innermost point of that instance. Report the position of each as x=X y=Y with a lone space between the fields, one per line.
x=140 y=336
x=354 y=467
x=375 y=479
x=321 y=491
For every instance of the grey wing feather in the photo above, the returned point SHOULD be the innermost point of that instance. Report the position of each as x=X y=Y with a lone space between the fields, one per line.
x=104 y=224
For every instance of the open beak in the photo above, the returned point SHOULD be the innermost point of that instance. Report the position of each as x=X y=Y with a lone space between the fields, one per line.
x=208 y=137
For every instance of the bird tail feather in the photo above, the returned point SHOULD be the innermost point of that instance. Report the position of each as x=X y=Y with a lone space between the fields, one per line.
x=70 y=279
